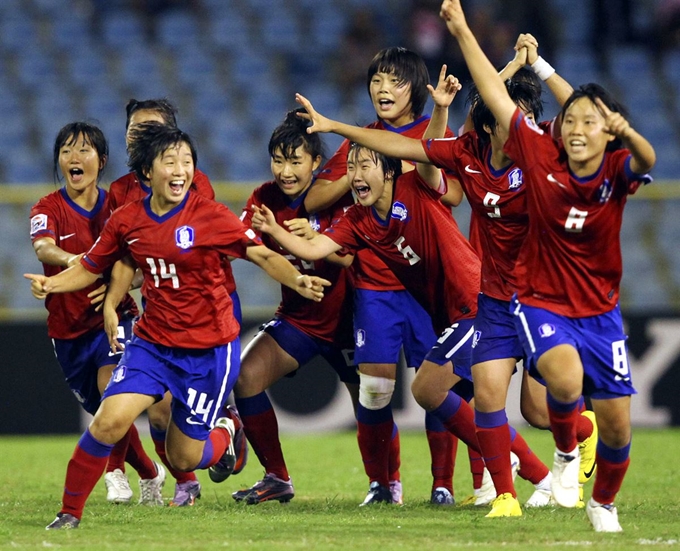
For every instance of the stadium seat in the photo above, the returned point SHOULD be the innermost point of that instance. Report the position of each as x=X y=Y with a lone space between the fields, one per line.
x=123 y=29
x=177 y=29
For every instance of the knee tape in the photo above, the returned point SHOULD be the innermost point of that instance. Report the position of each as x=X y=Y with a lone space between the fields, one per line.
x=375 y=392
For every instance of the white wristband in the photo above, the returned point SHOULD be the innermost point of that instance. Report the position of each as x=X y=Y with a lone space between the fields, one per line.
x=542 y=68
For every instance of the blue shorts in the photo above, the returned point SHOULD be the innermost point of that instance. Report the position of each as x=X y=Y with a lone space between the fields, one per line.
x=599 y=340
x=455 y=345
x=81 y=358
x=384 y=321
x=495 y=335
x=200 y=380
x=303 y=348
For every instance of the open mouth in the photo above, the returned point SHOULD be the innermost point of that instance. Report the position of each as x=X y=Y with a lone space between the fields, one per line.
x=362 y=191
x=385 y=104
x=76 y=174
x=177 y=187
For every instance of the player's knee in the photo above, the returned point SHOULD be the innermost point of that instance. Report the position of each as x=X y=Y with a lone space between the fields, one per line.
x=180 y=461
x=375 y=392
x=422 y=393
x=108 y=429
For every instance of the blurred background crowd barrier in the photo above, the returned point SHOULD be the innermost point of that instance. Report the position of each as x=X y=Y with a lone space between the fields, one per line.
x=232 y=68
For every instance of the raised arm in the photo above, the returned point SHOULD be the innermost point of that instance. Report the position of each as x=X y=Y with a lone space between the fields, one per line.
x=643 y=155
x=488 y=82
x=382 y=141
x=559 y=87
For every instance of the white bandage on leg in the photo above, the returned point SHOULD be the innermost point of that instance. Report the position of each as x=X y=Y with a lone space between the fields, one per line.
x=375 y=392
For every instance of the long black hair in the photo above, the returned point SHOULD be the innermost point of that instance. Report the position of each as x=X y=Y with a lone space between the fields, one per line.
x=291 y=134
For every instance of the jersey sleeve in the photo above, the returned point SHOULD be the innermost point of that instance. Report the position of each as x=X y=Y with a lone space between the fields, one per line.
x=336 y=167
x=43 y=221
x=107 y=248
x=342 y=232
x=232 y=236
x=524 y=140
x=442 y=152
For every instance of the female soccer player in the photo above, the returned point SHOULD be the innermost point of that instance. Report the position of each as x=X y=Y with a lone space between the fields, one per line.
x=185 y=342
x=132 y=187
x=65 y=224
x=300 y=330
x=397 y=81
x=569 y=267
x=403 y=221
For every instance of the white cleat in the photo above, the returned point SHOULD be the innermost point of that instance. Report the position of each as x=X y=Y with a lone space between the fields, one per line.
x=540 y=498
x=151 y=488
x=604 y=518
x=117 y=487
x=565 y=473
x=487 y=492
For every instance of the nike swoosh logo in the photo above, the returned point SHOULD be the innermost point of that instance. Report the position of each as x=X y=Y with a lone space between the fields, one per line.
x=472 y=171
x=552 y=179
x=61 y=237
x=591 y=471
x=132 y=241
x=191 y=421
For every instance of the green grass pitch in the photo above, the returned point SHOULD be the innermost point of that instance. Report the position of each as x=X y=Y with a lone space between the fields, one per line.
x=330 y=483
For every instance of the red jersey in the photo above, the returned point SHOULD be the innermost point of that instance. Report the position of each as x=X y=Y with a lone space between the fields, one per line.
x=422 y=245
x=330 y=319
x=570 y=262
x=499 y=221
x=180 y=255
x=130 y=188
x=368 y=271
x=74 y=230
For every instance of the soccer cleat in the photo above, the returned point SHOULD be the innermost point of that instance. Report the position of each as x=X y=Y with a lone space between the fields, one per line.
x=64 y=521
x=564 y=485
x=442 y=496
x=186 y=493
x=117 y=487
x=267 y=489
x=224 y=468
x=540 y=498
x=397 y=492
x=377 y=494
x=587 y=449
x=151 y=488
x=468 y=501
x=240 y=443
x=487 y=492
x=505 y=505
x=604 y=518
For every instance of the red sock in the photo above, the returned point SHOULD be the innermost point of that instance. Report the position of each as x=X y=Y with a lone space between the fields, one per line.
x=531 y=468
x=442 y=449
x=118 y=453
x=214 y=447
x=476 y=468
x=608 y=479
x=159 y=445
x=137 y=457
x=374 y=444
x=563 y=424
x=262 y=431
x=495 y=444
x=86 y=466
x=462 y=424
x=584 y=428
x=395 y=455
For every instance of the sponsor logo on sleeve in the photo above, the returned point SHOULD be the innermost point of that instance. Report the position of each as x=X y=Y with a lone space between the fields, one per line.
x=38 y=223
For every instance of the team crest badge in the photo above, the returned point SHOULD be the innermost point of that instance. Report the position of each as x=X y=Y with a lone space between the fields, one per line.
x=546 y=330
x=360 y=338
x=515 y=179
x=118 y=374
x=605 y=191
x=184 y=237
x=399 y=211
x=475 y=338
